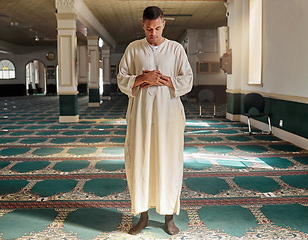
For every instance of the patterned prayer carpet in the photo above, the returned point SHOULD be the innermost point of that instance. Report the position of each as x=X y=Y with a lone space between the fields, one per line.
x=67 y=181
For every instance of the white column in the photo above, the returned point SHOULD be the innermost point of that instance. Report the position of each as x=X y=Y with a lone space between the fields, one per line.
x=67 y=61
x=93 y=50
x=106 y=72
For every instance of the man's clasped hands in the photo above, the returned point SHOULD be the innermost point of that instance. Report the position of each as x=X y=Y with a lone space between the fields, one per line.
x=152 y=78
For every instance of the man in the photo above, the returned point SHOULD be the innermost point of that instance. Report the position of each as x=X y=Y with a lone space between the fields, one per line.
x=154 y=72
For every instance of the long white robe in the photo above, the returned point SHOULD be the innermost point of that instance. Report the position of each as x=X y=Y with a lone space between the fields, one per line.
x=155 y=125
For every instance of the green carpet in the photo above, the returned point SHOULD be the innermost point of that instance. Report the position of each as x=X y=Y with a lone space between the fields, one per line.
x=68 y=166
x=232 y=220
x=258 y=183
x=208 y=185
x=48 y=188
x=104 y=187
x=67 y=180
x=11 y=186
x=24 y=220
x=30 y=166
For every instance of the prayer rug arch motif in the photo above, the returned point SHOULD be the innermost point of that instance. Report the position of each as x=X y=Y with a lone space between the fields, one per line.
x=67 y=181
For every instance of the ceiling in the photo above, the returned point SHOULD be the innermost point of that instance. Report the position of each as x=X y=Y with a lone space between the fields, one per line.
x=22 y=21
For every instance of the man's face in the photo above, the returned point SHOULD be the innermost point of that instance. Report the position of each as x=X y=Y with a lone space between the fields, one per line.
x=153 y=30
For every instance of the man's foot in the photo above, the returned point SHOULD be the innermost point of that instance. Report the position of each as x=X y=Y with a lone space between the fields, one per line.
x=170 y=225
x=143 y=222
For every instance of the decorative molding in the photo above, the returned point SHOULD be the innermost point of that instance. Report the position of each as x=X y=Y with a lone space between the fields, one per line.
x=67 y=119
x=92 y=38
x=94 y=104
x=233 y=117
x=92 y=42
x=68 y=92
x=233 y=91
x=65 y=3
x=272 y=95
x=66 y=16
x=255 y=84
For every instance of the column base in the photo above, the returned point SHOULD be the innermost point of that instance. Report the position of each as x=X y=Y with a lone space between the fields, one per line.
x=94 y=97
x=67 y=119
x=94 y=104
x=68 y=108
x=106 y=98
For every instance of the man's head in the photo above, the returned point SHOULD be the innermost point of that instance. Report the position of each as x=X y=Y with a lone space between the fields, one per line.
x=153 y=24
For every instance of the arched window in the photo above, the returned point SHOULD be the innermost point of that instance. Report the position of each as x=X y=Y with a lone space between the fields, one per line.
x=7 y=69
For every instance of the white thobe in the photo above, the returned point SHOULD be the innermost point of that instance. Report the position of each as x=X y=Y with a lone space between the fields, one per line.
x=155 y=125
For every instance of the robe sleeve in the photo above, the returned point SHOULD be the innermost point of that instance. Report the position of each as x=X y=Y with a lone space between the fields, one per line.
x=183 y=82
x=125 y=78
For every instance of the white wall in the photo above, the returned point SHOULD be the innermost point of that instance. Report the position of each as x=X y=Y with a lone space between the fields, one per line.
x=285 y=48
x=203 y=46
x=21 y=60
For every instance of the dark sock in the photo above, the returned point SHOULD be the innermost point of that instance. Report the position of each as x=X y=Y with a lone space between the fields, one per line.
x=143 y=222
x=170 y=225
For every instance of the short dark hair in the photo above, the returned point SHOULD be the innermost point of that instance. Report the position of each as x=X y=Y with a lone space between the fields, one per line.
x=152 y=13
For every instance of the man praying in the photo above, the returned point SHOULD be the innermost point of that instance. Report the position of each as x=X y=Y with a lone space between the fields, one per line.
x=154 y=72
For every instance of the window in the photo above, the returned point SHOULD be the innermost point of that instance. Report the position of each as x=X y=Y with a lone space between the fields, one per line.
x=255 y=42
x=7 y=69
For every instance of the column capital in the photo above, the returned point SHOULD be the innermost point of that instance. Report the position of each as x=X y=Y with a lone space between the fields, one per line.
x=92 y=37
x=67 y=5
x=66 y=16
x=106 y=51
x=93 y=40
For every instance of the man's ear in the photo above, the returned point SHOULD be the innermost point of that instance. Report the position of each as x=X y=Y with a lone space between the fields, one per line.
x=142 y=23
x=164 y=22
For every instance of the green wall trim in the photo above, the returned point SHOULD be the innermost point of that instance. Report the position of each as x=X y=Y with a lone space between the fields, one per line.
x=68 y=105
x=293 y=114
x=234 y=103
x=94 y=95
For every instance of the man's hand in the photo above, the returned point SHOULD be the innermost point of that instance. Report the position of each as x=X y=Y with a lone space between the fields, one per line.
x=152 y=78
x=167 y=81
x=149 y=78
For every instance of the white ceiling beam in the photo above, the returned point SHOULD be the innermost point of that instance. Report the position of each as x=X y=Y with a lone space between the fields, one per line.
x=87 y=18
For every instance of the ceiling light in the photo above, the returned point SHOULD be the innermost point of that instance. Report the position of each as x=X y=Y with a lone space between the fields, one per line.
x=14 y=23
x=100 y=42
x=36 y=38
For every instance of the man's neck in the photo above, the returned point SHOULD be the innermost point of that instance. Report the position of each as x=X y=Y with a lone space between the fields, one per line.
x=157 y=44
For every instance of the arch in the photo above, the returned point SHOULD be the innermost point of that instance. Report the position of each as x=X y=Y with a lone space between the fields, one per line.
x=35 y=74
x=7 y=69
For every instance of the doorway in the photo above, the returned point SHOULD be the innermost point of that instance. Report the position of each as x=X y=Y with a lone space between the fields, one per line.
x=36 y=77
